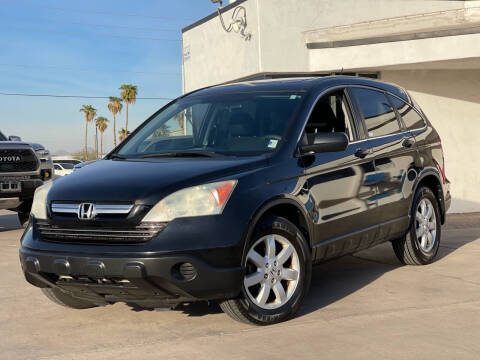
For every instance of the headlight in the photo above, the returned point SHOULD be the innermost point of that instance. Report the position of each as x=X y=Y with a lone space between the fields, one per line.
x=208 y=199
x=44 y=154
x=39 y=206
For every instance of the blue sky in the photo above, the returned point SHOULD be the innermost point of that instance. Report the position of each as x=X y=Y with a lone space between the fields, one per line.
x=87 y=48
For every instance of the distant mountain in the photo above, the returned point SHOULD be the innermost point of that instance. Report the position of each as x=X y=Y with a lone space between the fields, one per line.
x=61 y=152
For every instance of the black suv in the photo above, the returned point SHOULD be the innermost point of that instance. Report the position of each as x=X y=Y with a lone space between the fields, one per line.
x=233 y=192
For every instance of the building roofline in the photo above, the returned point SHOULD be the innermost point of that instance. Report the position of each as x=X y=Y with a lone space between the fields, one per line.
x=212 y=16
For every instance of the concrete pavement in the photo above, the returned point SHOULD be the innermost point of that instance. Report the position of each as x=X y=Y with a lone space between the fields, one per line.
x=365 y=306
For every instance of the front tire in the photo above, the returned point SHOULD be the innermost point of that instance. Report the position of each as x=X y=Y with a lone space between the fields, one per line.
x=278 y=273
x=420 y=245
x=60 y=298
x=23 y=212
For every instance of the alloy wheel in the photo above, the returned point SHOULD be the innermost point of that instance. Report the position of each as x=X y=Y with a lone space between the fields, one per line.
x=273 y=271
x=426 y=225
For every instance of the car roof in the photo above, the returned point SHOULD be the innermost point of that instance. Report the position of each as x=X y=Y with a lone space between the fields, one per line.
x=298 y=84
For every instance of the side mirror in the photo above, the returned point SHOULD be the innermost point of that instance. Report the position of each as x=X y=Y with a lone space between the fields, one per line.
x=326 y=142
x=14 y=138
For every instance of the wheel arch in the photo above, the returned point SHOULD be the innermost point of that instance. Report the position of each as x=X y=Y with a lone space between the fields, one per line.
x=431 y=179
x=286 y=207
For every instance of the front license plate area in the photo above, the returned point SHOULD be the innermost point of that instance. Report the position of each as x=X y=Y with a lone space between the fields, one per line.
x=10 y=186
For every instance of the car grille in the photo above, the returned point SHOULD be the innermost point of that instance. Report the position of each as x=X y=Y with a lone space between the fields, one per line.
x=101 y=210
x=139 y=234
x=28 y=161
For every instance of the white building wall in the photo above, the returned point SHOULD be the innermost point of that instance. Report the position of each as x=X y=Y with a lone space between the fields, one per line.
x=278 y=40
x=215 y=56
x=284 y=23
x=451 y=100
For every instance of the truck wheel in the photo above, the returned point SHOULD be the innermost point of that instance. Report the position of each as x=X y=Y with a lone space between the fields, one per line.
x=23 y=212
x=278 y=272
x=23 y=218
x=420 y=245
x=63 y=299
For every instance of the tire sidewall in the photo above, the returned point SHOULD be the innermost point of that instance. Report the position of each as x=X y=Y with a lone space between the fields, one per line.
x=425 y=193
x=285 y=228
x=23 y=218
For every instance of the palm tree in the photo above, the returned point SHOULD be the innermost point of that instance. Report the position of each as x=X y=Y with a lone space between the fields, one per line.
x=96 y=140
x=183 y=118
x=180 y=118
x=162 y=131
x=122 y=134
x=115 y=107
x=129 y=96
x=102 y=123
x=90 y=112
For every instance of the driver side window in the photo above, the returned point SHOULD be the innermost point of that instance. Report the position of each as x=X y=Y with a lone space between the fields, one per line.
x=330 y=114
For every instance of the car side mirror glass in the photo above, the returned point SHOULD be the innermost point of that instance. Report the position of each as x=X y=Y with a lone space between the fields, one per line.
x=326 y=142
x=14 y=138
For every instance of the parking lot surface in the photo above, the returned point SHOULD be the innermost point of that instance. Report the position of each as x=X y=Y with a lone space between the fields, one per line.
x=365 y=306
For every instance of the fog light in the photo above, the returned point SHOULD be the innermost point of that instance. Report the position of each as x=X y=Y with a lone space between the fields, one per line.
x=184 y=271
x=46 y=174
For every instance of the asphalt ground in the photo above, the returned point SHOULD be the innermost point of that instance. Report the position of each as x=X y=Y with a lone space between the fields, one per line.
x=365 y=306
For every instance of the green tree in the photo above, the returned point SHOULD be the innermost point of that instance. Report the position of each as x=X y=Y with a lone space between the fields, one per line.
x=115 y=107
x=162 y=131
x=122 y=134
x=129 y=96
x=96 y=140
x=102 y=123
x=89 y=112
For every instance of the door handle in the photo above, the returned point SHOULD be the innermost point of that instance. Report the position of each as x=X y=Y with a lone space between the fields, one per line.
x=408 y=143
x=361 y=153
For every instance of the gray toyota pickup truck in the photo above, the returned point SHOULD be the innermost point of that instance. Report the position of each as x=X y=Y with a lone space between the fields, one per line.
x=23 y=168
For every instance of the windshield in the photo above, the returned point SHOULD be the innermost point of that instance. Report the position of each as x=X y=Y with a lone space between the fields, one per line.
x=2 y=137
x=226 y=124
x=67 y=165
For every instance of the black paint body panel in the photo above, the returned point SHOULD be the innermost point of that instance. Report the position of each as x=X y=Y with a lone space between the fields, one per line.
x=347 y=203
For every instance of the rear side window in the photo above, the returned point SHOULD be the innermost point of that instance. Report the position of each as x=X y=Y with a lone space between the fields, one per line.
x=380 y=118
x=410 y=116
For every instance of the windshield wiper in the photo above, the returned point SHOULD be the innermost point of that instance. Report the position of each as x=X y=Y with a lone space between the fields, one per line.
x=182 y=154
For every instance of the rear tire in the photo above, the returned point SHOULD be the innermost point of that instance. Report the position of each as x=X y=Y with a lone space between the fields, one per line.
x=63 y=299
x=278 y=273
x=420 y=245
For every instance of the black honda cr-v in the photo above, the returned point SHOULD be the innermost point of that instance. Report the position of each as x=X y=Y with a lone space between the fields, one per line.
x=232 y=193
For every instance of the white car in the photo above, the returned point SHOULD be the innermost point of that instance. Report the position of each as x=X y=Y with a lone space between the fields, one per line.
x=62 y=169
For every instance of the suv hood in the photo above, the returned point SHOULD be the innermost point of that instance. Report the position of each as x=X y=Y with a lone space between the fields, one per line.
x=145 y=181
x=15 y=144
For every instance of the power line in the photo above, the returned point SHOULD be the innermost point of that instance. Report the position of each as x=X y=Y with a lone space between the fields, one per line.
x=95 y=35
x=90 y=70
x=90 y=24
x=97 y=12
x=78 y=96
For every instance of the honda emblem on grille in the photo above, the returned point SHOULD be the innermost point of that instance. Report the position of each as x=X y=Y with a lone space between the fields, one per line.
x=86 y=211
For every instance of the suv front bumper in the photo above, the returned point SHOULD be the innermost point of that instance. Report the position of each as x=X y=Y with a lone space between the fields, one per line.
x=146 y=281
